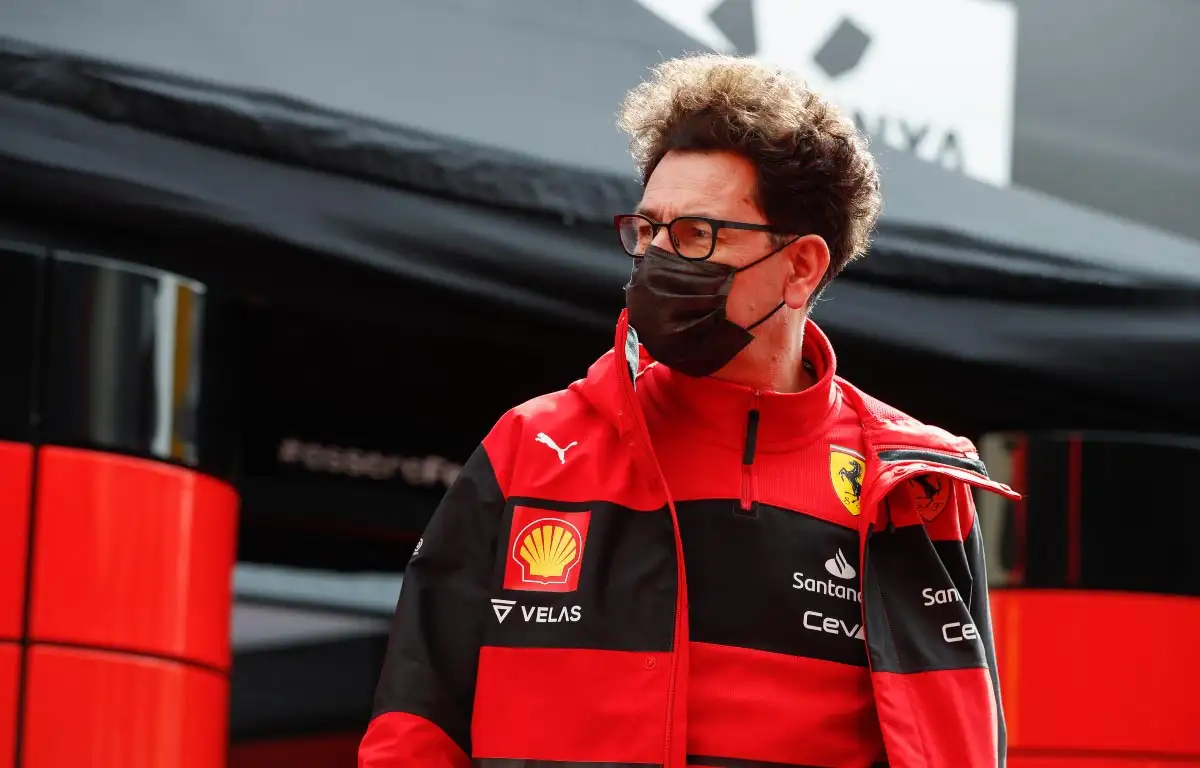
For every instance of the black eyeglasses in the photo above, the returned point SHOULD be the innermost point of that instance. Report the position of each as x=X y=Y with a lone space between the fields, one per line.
x=692 y=237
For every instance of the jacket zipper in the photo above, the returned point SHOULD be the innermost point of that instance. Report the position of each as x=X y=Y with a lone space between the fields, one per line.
x=749 y=478
x=680 y=637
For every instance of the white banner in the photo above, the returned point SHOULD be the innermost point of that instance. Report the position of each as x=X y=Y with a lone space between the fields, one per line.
x=932 y=77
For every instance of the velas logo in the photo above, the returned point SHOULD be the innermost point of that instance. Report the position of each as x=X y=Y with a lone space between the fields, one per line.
x=545 y=550
x=502 y=608
x=846 y=470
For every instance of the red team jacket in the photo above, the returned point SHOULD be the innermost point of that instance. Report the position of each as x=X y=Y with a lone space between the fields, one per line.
x=839 y=615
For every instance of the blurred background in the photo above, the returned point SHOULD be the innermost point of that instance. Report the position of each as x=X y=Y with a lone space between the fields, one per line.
x=268 y=273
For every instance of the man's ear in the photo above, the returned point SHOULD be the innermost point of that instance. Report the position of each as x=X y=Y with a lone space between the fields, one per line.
x=808 y=260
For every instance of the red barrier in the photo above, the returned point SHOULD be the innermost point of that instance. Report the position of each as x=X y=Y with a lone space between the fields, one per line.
x=16 y=467
x=1098 y=679
x=10 y=671
x=130 y=610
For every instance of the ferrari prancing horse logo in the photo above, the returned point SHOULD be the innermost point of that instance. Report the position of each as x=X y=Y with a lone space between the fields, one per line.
x=929 y=494
x=846 y=469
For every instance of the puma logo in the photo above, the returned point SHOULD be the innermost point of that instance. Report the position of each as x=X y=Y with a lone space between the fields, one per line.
x=548 y=441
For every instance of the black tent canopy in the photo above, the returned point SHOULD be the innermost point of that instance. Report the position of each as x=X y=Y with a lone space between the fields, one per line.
x=466 y=151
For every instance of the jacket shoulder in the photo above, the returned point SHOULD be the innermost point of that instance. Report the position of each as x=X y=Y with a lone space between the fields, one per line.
x=547 y=423
x=905 y=446
x=563 y=408
x=888 y=426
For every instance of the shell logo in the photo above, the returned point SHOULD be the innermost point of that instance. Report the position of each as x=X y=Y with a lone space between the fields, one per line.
x=545 y=550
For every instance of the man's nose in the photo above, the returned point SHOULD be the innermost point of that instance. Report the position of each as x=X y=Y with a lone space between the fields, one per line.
x=662 y=239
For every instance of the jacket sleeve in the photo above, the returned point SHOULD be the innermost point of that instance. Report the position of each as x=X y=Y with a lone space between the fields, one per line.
x=423 y=703
x=929 y=635
x=981 y=616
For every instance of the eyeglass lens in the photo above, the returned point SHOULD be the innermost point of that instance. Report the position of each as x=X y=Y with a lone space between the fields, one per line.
x=692 y=238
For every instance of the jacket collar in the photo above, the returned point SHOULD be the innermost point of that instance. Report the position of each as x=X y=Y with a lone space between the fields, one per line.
x=898 y=445
x=717 y=410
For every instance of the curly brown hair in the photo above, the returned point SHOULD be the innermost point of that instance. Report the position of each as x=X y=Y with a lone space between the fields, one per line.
x=815 y=172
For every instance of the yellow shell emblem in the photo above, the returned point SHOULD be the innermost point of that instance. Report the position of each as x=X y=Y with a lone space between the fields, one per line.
x=846 y=470
x=548 y=549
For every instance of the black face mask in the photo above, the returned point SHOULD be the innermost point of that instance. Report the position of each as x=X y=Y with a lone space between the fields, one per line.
x=677 y=307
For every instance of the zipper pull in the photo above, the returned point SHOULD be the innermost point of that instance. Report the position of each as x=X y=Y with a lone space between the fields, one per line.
x=751 y=443
x=748 y=450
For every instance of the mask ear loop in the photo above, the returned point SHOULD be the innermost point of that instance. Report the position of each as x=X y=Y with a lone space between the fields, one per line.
x=781 y=304
x=766 y=317
x=763 y=258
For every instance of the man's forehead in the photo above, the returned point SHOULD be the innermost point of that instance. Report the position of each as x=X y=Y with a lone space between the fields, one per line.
x=665 y=208
x=699 y=184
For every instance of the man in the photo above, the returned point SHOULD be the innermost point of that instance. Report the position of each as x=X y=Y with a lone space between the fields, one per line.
x=711 y=551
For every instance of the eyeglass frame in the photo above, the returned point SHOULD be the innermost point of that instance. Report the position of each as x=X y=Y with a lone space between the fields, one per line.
x=716 y=224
